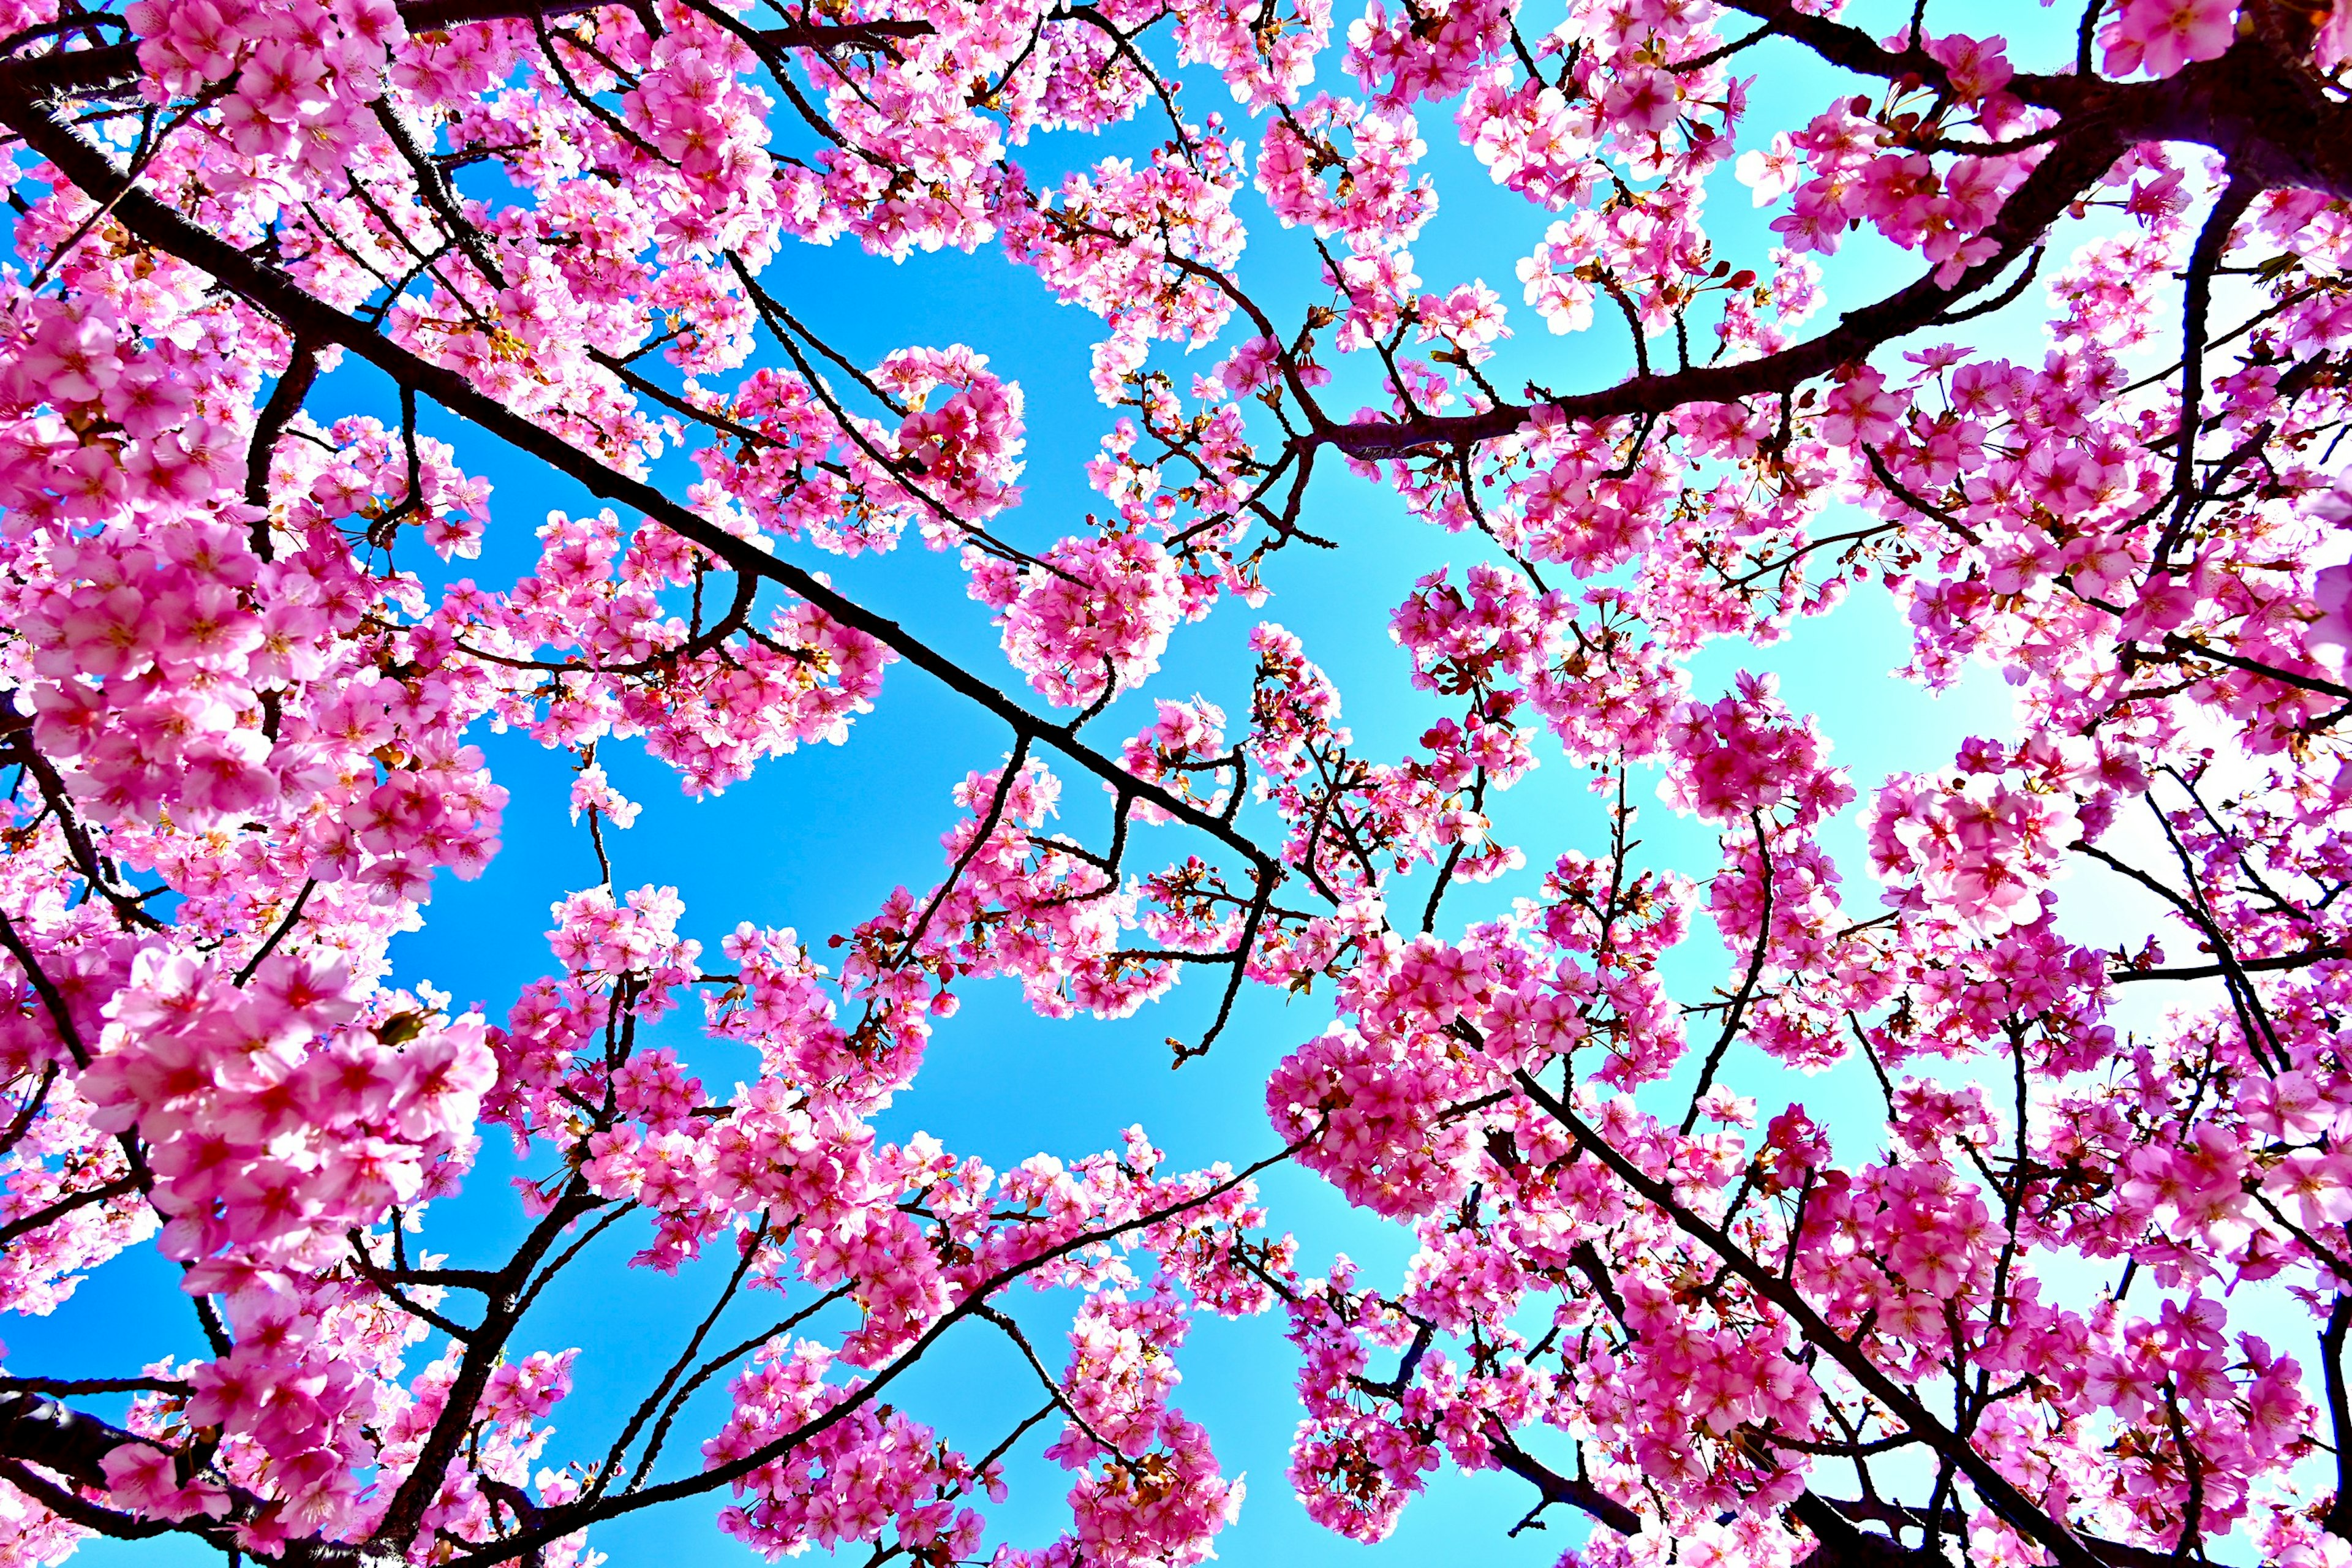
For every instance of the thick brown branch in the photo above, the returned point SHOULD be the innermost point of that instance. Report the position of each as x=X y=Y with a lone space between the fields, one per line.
x=92 y=72
x=1998 y=1493
x=2264 y=113
x=286 y=397
x=2072 y=166
x=40 y=1431
x=306 y=315
x=485 y=1349
x=2217 y=970
x=2338 y=1517
x=1555 y=1487
x=50 y=1213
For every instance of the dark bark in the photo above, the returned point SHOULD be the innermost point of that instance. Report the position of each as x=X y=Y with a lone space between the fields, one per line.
x=294 y=384
x=2339 y=1413
x=40 y=1431
x=2259 y=105
x=308 y=317
x=2056 y=182
x=103 y=71
x=1566 y=1491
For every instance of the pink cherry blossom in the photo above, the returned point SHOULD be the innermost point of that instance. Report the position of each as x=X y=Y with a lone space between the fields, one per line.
x=1834 y=1147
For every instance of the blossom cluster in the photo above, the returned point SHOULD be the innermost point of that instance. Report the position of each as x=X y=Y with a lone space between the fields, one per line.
x=1828 y=1127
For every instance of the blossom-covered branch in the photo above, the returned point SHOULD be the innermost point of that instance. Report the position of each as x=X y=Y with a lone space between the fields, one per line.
x=2027 y=1310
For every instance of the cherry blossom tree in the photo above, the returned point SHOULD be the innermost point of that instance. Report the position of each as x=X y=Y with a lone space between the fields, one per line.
x=2016 y=1319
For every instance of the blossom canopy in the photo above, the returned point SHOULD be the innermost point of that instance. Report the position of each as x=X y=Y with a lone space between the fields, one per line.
x=1994 y=1207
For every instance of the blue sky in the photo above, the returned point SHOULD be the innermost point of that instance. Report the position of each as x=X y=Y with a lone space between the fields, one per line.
x=817 y=839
